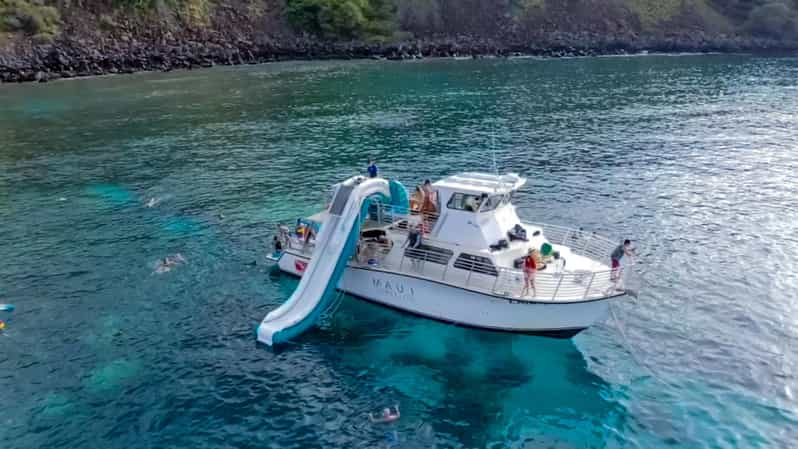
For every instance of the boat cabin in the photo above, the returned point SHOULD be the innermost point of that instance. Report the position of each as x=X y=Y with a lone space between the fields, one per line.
x=472 y=236
x=475 y=208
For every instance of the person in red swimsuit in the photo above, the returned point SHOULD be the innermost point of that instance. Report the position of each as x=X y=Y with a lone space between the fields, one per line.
x=530 y=266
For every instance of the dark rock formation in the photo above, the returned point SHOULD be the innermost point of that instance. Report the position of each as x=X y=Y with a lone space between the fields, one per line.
x=127 y=53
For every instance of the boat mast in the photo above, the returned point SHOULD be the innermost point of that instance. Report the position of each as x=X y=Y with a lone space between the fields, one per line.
x=493 y=147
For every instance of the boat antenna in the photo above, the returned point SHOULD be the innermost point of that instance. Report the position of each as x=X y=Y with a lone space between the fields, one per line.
x=493 y=147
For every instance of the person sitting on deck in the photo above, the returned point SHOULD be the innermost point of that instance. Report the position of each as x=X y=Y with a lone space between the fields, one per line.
x=530 y=266
x=310 y=234
x=385 y=242
x=387 y=415
x=300 y=229
x=517 y=233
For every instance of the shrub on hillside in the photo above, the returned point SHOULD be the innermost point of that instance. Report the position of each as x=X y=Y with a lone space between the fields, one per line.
x=31 y=17
x=348 y=19
x=776 y=20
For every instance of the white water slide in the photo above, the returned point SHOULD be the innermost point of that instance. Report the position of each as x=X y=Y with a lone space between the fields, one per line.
x=335 y=244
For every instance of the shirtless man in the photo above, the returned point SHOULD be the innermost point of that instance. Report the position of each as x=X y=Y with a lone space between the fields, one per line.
x=387 y=415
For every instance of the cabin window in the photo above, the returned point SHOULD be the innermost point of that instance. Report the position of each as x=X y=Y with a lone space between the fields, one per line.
x=477 y=264
x=429 y=253
x=491 y=203
x=464 y=201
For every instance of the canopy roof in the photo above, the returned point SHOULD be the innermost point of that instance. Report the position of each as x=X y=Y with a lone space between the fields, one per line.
x=474 y=182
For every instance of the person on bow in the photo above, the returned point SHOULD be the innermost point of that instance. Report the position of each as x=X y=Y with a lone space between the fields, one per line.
x=372 y=168
x=616 y=256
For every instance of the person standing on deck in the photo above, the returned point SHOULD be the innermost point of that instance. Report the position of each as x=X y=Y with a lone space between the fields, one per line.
x=429 y=207
x=372 y=168
x=530 y=267
x=616 y=256
x=417 y=200
x=413 y=242
x=429 y=196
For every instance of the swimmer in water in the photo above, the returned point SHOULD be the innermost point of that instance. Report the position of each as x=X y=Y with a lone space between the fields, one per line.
x=153 y=202
x=166 y=264
x=2 y=325
x=163 y=265
x=387 y=415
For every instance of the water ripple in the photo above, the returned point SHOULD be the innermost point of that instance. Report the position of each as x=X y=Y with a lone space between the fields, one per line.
x=693 y=157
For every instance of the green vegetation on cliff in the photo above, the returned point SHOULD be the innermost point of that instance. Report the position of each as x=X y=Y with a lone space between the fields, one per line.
x=347 y=19
x=396 y=19
x=31 y=17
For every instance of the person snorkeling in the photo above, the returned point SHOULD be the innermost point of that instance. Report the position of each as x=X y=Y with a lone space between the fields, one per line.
x=167 y=263
x=387 y=415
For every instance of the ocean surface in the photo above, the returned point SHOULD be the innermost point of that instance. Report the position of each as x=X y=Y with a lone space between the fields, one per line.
x=693 y=157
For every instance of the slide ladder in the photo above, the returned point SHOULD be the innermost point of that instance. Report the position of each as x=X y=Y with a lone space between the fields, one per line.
x=335 y=244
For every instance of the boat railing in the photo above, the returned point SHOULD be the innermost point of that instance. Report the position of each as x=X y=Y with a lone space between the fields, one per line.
x=554 y=284
x=299 y=244
x=400 y=217
x=372 y=252
x=580 y=242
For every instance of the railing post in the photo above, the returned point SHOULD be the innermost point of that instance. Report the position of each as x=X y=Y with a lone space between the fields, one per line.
x=556 y=289
x=496 y=282
x=445 y=269
x=468 y=279
x=589 y=284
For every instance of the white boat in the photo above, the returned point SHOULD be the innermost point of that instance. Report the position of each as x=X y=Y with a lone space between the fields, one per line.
x=465 y=271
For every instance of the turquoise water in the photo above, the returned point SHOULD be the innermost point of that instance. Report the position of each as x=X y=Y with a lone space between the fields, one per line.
x=694 y=157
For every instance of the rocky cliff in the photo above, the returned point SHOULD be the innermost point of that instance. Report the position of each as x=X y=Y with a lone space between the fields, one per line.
x=47 y=39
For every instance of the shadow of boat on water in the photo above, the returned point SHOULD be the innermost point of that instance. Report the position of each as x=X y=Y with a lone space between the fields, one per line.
x=480 y=388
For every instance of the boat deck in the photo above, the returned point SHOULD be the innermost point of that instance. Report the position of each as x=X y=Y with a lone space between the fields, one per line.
x=582 y=278
x=581 y=274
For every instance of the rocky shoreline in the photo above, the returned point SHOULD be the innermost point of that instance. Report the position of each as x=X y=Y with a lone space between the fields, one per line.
x=68 y=58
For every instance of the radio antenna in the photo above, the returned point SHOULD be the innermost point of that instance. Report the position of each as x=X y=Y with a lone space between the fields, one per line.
x=493 y=147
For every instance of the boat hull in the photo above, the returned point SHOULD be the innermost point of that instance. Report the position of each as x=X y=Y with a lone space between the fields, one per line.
x=448 y=303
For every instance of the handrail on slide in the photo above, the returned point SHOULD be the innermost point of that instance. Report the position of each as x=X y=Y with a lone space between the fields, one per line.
x=335 y=244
